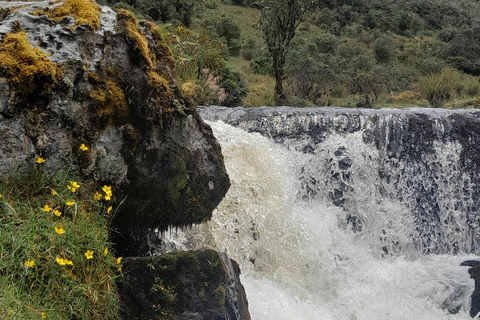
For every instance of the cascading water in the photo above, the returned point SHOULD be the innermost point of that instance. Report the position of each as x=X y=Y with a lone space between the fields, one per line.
x=341 y=214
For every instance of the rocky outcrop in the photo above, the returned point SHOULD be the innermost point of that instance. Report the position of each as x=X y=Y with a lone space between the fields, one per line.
x=474 y=272
x=183 y=285
x=73 y=73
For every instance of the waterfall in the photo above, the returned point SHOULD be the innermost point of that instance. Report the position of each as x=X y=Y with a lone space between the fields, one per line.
x=347 y=214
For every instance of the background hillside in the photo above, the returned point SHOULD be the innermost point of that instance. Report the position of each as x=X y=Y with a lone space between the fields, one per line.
x=371 y=53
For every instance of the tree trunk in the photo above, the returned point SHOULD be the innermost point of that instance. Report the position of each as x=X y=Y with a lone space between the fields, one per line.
x=279 y=95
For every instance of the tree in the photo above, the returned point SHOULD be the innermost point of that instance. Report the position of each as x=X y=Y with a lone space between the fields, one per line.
x=279 y=20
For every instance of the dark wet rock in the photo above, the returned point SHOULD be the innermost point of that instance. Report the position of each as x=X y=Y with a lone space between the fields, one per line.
x=474 y=272
x=183 y=285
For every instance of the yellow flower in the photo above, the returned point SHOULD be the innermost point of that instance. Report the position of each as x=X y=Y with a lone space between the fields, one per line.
x=54 y=192
x=119 y=260
x=46 y=208
x=73 y=186
x=44 y=316
x=105 y=251
x=109 y=209
x=59 y=230
x=70 y=203
x=107 y=189
x=0 y=195
x=57 y=213
x=83 y=147
x=60 y=261
x=89 y=254
x=30 y=263
x=63 y=262
x=40 y=160
x=108 y=192
x=97 y=196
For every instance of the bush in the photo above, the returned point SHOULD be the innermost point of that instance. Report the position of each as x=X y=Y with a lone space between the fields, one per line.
x=440 y=87
x=384 y=49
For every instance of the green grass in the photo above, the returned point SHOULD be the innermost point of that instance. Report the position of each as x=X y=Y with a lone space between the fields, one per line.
x=33 y=282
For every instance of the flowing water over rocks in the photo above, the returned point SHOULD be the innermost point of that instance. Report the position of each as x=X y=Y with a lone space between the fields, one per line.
x=347 y=213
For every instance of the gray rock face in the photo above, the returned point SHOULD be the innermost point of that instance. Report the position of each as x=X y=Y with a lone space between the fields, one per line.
x=419 y=165
x=114 y=92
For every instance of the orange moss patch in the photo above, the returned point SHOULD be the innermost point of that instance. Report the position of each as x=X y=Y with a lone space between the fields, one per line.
x=84 y=11
x=28 y=68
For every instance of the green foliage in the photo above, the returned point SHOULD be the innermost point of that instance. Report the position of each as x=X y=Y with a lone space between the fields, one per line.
x=56 y=259
x=384 y=49
x=438 y=88
x=368 y=86
x=463 y=51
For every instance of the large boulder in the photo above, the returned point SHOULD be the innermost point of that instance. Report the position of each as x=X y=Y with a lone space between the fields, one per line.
x=72 y=73
x=191 y=285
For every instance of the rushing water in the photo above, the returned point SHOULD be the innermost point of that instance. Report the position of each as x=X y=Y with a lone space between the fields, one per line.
x=323 y=235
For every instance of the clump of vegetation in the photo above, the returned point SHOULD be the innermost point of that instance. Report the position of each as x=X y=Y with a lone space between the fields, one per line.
x=128 y=25
x=109 y=98
x=56 y=260
x=29 y=70
x=84 y=11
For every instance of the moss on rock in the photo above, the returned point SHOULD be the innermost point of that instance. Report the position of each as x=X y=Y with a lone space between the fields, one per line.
x=84 y=11
x=29 y=69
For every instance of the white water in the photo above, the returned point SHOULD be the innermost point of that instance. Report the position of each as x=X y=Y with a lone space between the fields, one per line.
x=300 y=260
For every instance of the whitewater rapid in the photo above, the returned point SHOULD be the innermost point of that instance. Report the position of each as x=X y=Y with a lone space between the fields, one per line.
x=300 y=256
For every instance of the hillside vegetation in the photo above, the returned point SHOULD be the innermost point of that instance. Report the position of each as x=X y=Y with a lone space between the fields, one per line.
x=370 y=53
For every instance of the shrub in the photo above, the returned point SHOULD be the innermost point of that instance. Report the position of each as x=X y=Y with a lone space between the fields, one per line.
x=439 y=87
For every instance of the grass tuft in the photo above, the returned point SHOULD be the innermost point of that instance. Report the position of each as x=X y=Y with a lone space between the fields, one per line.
x=55 y=258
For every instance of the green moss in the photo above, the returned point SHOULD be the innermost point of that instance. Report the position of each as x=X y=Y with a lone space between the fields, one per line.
x=84 y=11
x=220 y=295
x=28 y=68
x=178 y=182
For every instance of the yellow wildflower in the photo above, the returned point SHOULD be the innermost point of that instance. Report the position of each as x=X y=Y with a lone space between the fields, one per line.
x=108 y=192
x=105 y=251
x=60 y=261
x=0 y=195
x=40 y=160
x=73 y=186
x=59 y=230
x=83 y=147
x=119 y=260
x=44 y=316
x=30 y=263
x=69 y=262
x=47 y=208
x=70 y=203
x=109 y=209
x=89 y=254
x=57 y=213
x=97 y=196
x=54 y=192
